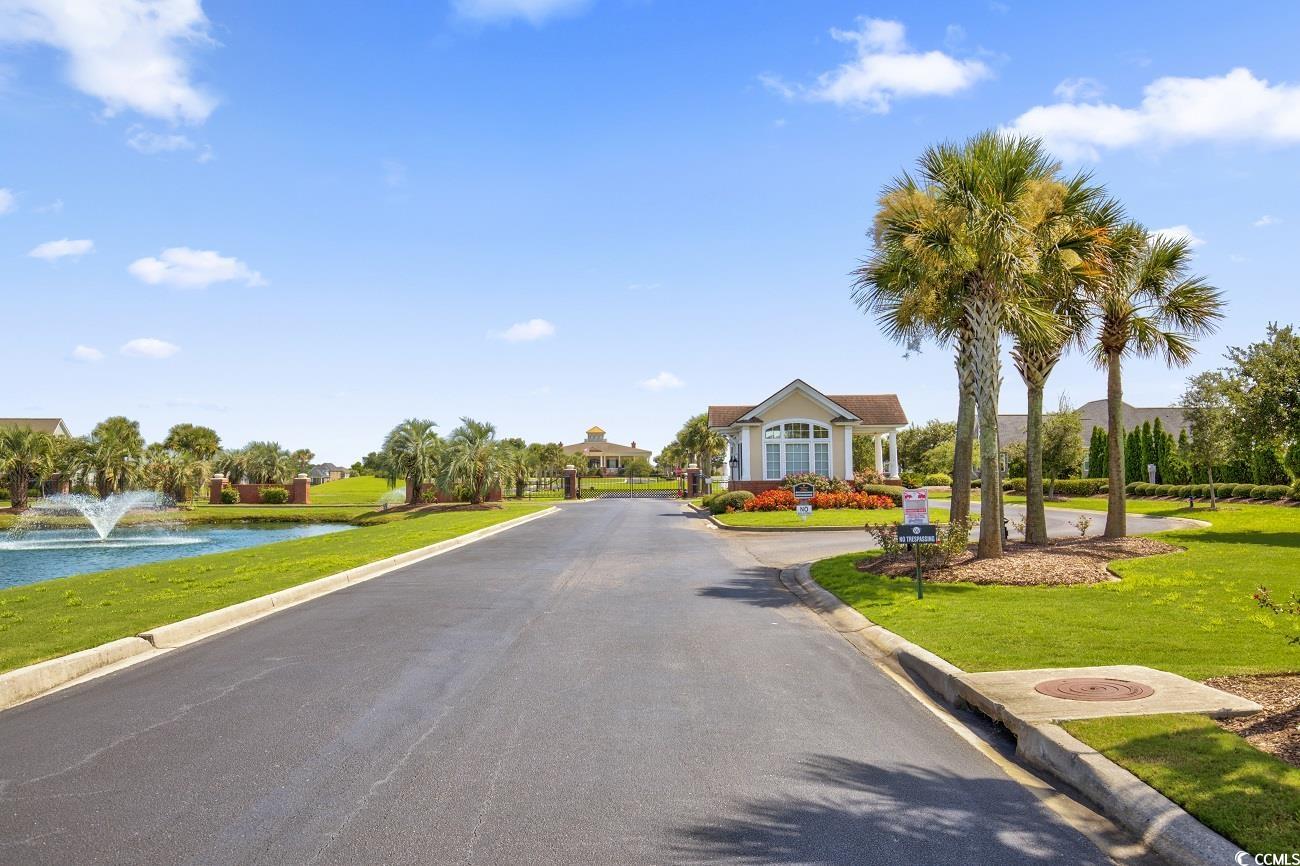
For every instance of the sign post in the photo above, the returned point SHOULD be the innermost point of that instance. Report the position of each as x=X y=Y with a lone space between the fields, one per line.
x=803 y=494
x=917 y=534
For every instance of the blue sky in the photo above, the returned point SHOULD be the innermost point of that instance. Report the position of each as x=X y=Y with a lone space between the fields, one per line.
x=305 y=223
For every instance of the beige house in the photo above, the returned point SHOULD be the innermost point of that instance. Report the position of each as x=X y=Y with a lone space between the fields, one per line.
x=599 y=453
x=800 y=429
x=1011 y=428
x=53 y=426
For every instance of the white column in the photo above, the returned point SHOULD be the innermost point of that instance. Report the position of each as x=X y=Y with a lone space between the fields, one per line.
x=746 y=451
x=880 y=454
x=893 y=454
x=848 y=452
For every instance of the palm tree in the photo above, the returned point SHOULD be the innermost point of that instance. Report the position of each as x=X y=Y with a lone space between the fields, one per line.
x=516 y=468
x=1147 y=305
x=116 y=448
x=174 y=472
x=230 y=463
x=700 y=442
x=267 y=463
x=411 y=451
x=472 y=460
x=1068 y=252
x=24 y=458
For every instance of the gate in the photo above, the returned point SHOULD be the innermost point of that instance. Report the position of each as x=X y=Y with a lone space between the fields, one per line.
x=629 y=487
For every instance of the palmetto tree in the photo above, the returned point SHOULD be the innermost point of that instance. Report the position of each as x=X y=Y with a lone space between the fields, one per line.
x=412 y=451
x=966 y=235
x=24 y=458
x=174 y=472
x=472 y=460
x=267 y=463
x=115 y=450
x=1146 y=304
x=700 y=442
x=230 y=463
x=515 y=468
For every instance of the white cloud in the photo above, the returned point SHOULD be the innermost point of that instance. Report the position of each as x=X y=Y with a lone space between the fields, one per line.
x=8 y=202
x=87 y=354
x=146 y=141
x=523 y=332
x=184 y=268
x=149 y=347
x=54 y=250
x=533 y=11
x=1233 y=107
x=1265 y=221
x=129 y=54
x=662 y=382
x=54 y=207
x=1179 y=233
x=883 y=69
x=1079 y=90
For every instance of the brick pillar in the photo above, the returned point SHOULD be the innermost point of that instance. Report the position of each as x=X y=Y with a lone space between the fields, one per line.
x=215 y=486
x=301 y=492
x=694 y=480
x=570 y=482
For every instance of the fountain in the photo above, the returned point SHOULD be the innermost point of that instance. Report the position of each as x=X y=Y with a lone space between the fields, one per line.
x=102 y=515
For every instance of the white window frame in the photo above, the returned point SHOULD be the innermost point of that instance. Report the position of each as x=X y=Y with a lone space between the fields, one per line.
x=812 y=441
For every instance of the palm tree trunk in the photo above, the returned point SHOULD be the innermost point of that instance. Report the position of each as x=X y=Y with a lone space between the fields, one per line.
x=983 y=316
x=1035 y=509
x=1116 y=523
x=18 y=484
x=1214 y=502
x=962 y=455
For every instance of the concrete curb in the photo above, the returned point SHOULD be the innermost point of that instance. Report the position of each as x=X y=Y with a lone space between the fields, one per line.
x=1161 y=824
x=23 y=684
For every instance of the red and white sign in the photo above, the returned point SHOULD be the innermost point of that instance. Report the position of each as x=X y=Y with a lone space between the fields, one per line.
x=916 y=507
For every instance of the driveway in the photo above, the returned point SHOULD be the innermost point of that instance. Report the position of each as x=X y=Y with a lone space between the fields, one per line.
x=607 y=685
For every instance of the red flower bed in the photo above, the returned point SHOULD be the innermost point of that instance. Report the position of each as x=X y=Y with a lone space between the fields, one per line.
x=782 y=499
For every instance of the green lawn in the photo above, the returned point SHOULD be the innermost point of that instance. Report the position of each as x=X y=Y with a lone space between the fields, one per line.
x=56 y=617
x=1189 y=612
x=357 y=490
x=1230 y=786
x=822 y=517
x=223 y=514
x=614 y=482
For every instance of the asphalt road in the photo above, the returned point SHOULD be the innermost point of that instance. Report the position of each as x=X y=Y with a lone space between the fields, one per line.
x=610 y=684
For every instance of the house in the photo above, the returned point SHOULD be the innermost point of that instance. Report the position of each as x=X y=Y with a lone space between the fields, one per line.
x=1011 y=428
x=607 y=457
x=800 y=429
x=323 y=472
x=53 y=426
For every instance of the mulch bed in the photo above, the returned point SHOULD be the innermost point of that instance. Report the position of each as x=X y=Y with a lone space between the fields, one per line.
x=1064 y=561
x=1276 y=730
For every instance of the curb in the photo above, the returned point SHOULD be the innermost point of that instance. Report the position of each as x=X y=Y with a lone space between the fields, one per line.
x=1162 y=825
x=26 y=683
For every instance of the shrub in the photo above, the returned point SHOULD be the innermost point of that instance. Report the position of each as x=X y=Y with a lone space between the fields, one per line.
x=911 y=480
x=273 y=495
x=1187 y=491
x=707 y=501
x=1259 y=491
x=778 y=499
x=820 y=483
x=863 y=477
x=1224 y=490
x=1276 y=491
x=1165 y=490
x=1242 y=491
x=938 y=479
x=894 y=494
x=975 y=483
x=229 y=496
x=1015 y=485
x=1131 y=488
x=851 y=500
x=722 y=503
x=1295 y=490
x=1077 y=486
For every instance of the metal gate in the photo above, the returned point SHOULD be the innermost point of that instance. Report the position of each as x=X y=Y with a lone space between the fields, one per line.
x=630 y=487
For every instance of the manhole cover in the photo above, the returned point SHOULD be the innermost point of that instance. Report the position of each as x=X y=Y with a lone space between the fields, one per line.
x=1094 y=689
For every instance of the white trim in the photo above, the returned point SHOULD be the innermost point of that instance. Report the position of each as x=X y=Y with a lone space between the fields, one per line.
x=745 y=451
x=893 y=454
x=783 y=444
x=880 y=454
x=800 y=385
x=848 y=451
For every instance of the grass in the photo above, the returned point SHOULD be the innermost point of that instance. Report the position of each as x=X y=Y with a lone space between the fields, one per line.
x=822 y=517
x=1230 y=786
x=223 y=514
x=357 y=490
x=55 y=617
x=1189 y=612
x=615 y=482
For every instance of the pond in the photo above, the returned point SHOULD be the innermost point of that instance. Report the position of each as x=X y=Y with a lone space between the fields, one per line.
x=44 y=554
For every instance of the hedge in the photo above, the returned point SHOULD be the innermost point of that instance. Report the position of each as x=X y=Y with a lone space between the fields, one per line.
x=894 y=493
x=273 y=495
x=938 y=479
x=733 y=500
x=1242 y=491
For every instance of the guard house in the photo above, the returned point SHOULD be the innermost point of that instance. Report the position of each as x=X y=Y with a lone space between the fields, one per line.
x=800 y=429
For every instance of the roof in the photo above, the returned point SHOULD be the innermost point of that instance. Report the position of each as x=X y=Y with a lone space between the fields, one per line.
x=1011 y=428
x=595 y=430
x=40 y=425
x=870 y=410
x=602 y=447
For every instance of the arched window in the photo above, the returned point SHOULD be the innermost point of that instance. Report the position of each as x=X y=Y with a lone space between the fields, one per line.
x=796 y=446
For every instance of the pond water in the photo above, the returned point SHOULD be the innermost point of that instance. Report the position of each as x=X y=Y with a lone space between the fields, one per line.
x=39 y=555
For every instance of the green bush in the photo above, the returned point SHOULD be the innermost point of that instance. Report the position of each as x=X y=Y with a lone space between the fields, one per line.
x=1276 y=491
x=1186 y=491
x=1295 y=490
x=1242 y=491
x=1165 y=490
x=229 y=496
x=1202 y=491
x=1259 y=491
x=1078 y=486
x=820 y=483
x=894 y=493
x=1015 y=485
x=938 y=479
x=734 y=500
x=1224 y=490
x=273 y=495
x=975 y=483
x=1132 y=488
x=911 y=480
